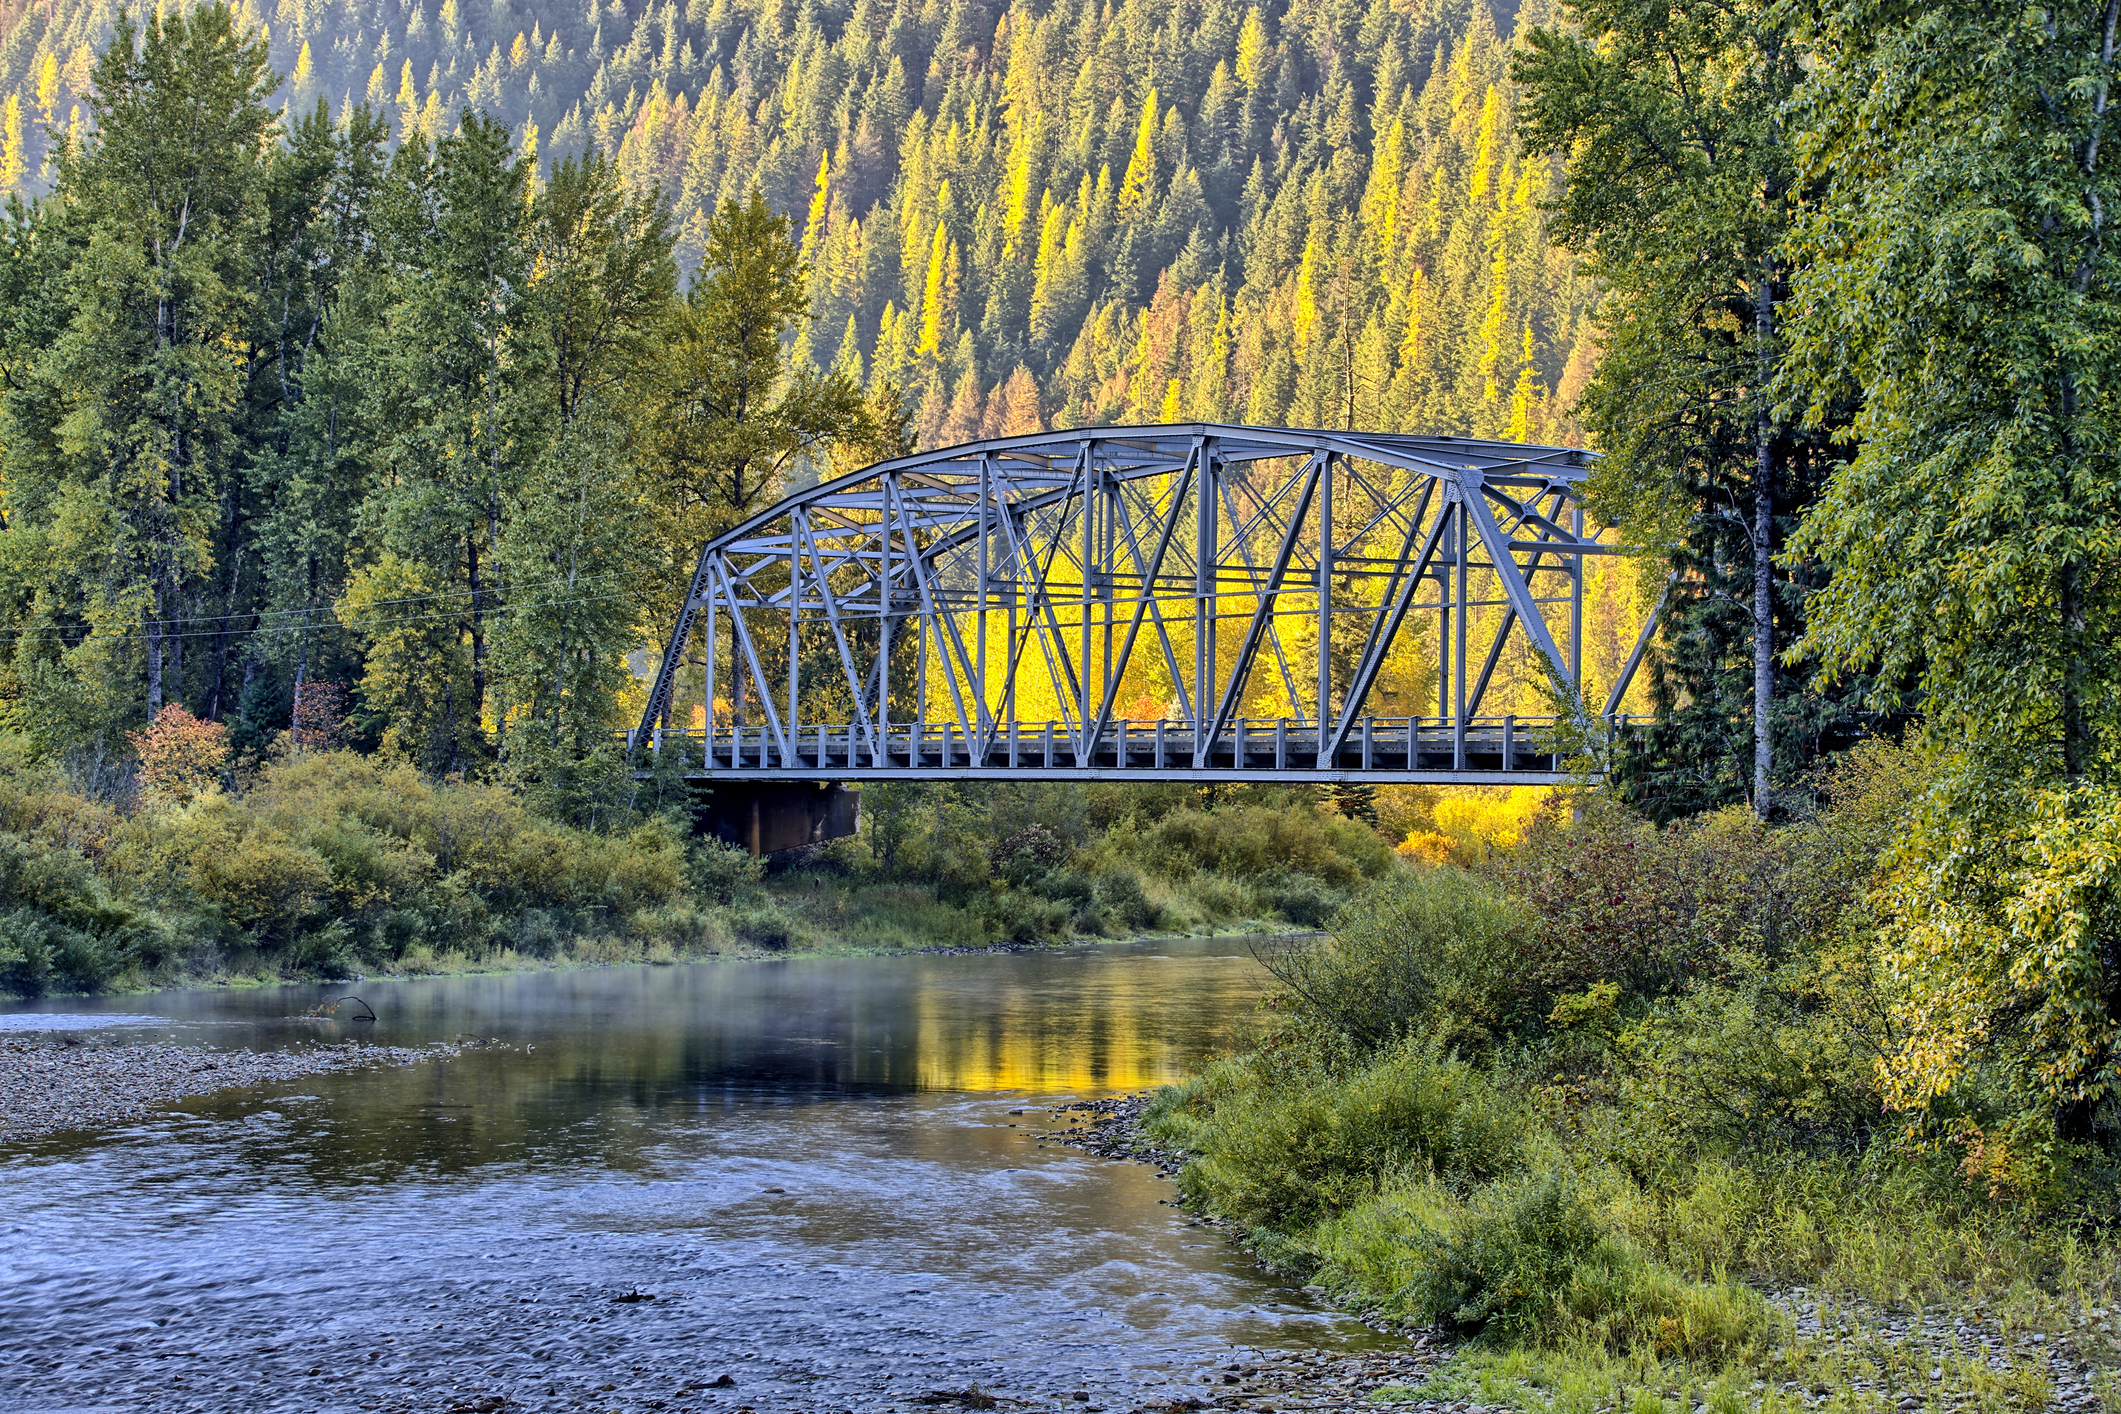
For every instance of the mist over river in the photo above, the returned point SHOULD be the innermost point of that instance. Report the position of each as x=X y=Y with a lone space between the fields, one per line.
x=812 y=1166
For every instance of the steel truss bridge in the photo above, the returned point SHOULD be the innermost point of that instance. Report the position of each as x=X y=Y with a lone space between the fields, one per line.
x=1193 y=602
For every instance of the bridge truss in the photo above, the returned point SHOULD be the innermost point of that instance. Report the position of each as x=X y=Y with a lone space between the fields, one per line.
x=1190 y=602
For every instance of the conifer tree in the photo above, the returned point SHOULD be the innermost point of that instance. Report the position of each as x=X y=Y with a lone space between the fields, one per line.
x=167 y=202
x=1680 y=189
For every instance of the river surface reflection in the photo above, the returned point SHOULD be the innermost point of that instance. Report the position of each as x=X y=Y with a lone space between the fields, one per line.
x=812 y=1166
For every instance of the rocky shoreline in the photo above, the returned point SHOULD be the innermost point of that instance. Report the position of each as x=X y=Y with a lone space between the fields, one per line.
x=1270 y=1380
x=1908 y=1360
x=49 y=1086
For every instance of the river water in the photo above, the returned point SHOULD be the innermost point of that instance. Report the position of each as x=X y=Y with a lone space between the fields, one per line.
x=815 y=1167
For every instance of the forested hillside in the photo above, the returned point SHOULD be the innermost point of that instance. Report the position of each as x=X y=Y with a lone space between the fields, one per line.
x=1028 y=216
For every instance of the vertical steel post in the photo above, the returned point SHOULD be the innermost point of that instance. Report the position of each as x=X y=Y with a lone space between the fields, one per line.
x=1207 y=487
x=883 y=631
x=1458 y=638
x=1325 y=602
x=795 y=602
x=708 y=715
x=1107 y=567
x=1443 y=614
x=1089 y=557
x=1576 y=602
x=979 y=632
x=1016 y=589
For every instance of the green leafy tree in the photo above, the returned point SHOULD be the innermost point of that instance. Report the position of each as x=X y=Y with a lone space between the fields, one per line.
x=1680 y=188
x=286 y=538
x=457 y=426
x=416 y=689
x=577 y=554
x=1959 y=270
x=163 y=208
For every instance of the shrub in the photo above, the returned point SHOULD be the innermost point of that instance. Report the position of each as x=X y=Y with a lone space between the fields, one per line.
x=1252 y=841
x=1507 y=1261
x=1427 y=949
x=1621 y=900
x=1534 y=1260
x=718 y=872
x=320 y=716
x=1018 y=917
x=764 y=926
x=180 y=755
x=1120 y=896
x=1028 y=853
x=1286 y=1151
x=1301 y=900
x=39 y=954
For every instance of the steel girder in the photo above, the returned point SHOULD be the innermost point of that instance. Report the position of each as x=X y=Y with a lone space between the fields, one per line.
x=1015 y=608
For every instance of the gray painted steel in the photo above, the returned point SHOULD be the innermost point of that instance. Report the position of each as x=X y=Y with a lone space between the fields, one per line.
x=935 y=587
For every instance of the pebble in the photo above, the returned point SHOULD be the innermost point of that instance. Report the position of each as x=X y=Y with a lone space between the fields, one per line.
x=1931 y=1339
x=49 y=1086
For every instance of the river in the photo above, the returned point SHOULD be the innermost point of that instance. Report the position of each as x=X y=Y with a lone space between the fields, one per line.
x=816 y=1168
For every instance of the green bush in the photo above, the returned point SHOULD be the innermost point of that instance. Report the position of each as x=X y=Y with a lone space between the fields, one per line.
x=61 y=929
x=1120 y=896
x=719 y=872
x=39 y=954
x=1508 y=1261
x=1255 y=842
x=1428 y=949
x=1299 y=898
x=1286 y=1150
x=764 y=926
x=1533 y=1260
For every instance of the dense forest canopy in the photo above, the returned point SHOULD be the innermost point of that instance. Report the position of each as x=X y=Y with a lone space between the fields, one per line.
x=436 y=411
x=1034 y=215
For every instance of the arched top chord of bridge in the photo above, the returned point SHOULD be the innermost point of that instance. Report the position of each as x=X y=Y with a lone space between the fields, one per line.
x=1189 y=602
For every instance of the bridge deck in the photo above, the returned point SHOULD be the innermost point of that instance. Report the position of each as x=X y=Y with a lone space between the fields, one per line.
x=1383 y=751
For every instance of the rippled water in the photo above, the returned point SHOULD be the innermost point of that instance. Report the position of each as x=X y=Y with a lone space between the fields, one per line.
x=812 y=1166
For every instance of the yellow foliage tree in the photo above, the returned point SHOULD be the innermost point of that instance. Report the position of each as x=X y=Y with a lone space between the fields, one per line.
x=13 y=160
x=181 y=756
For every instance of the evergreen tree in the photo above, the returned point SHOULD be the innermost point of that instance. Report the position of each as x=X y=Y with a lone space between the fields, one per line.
x=133 y=432
x=1680 y=189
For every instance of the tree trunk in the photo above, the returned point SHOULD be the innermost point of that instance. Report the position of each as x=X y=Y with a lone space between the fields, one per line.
x=1763 y=554
x=219 y=676
x=294 y=713
x=173 y=644
x=2078 y=738
x=478 y=628
x=154 y=657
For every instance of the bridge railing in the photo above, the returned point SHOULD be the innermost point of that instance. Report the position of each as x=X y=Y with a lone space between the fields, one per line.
x=1381 y=747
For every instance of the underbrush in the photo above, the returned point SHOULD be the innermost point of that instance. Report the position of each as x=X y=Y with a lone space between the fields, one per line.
x=1603 y=1102
x=328 y=863
x=331 y=862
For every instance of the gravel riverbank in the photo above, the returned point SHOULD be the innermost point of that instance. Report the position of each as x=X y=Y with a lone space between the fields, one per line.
x=1848 y=1351
x=48 y=1086
x=1257 y=1379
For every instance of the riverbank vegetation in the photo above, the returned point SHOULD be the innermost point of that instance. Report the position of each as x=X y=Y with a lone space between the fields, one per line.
x=1620 y=1101
x=173 y=868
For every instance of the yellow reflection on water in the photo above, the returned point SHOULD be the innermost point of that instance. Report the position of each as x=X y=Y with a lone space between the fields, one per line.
x=1116 y=1031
